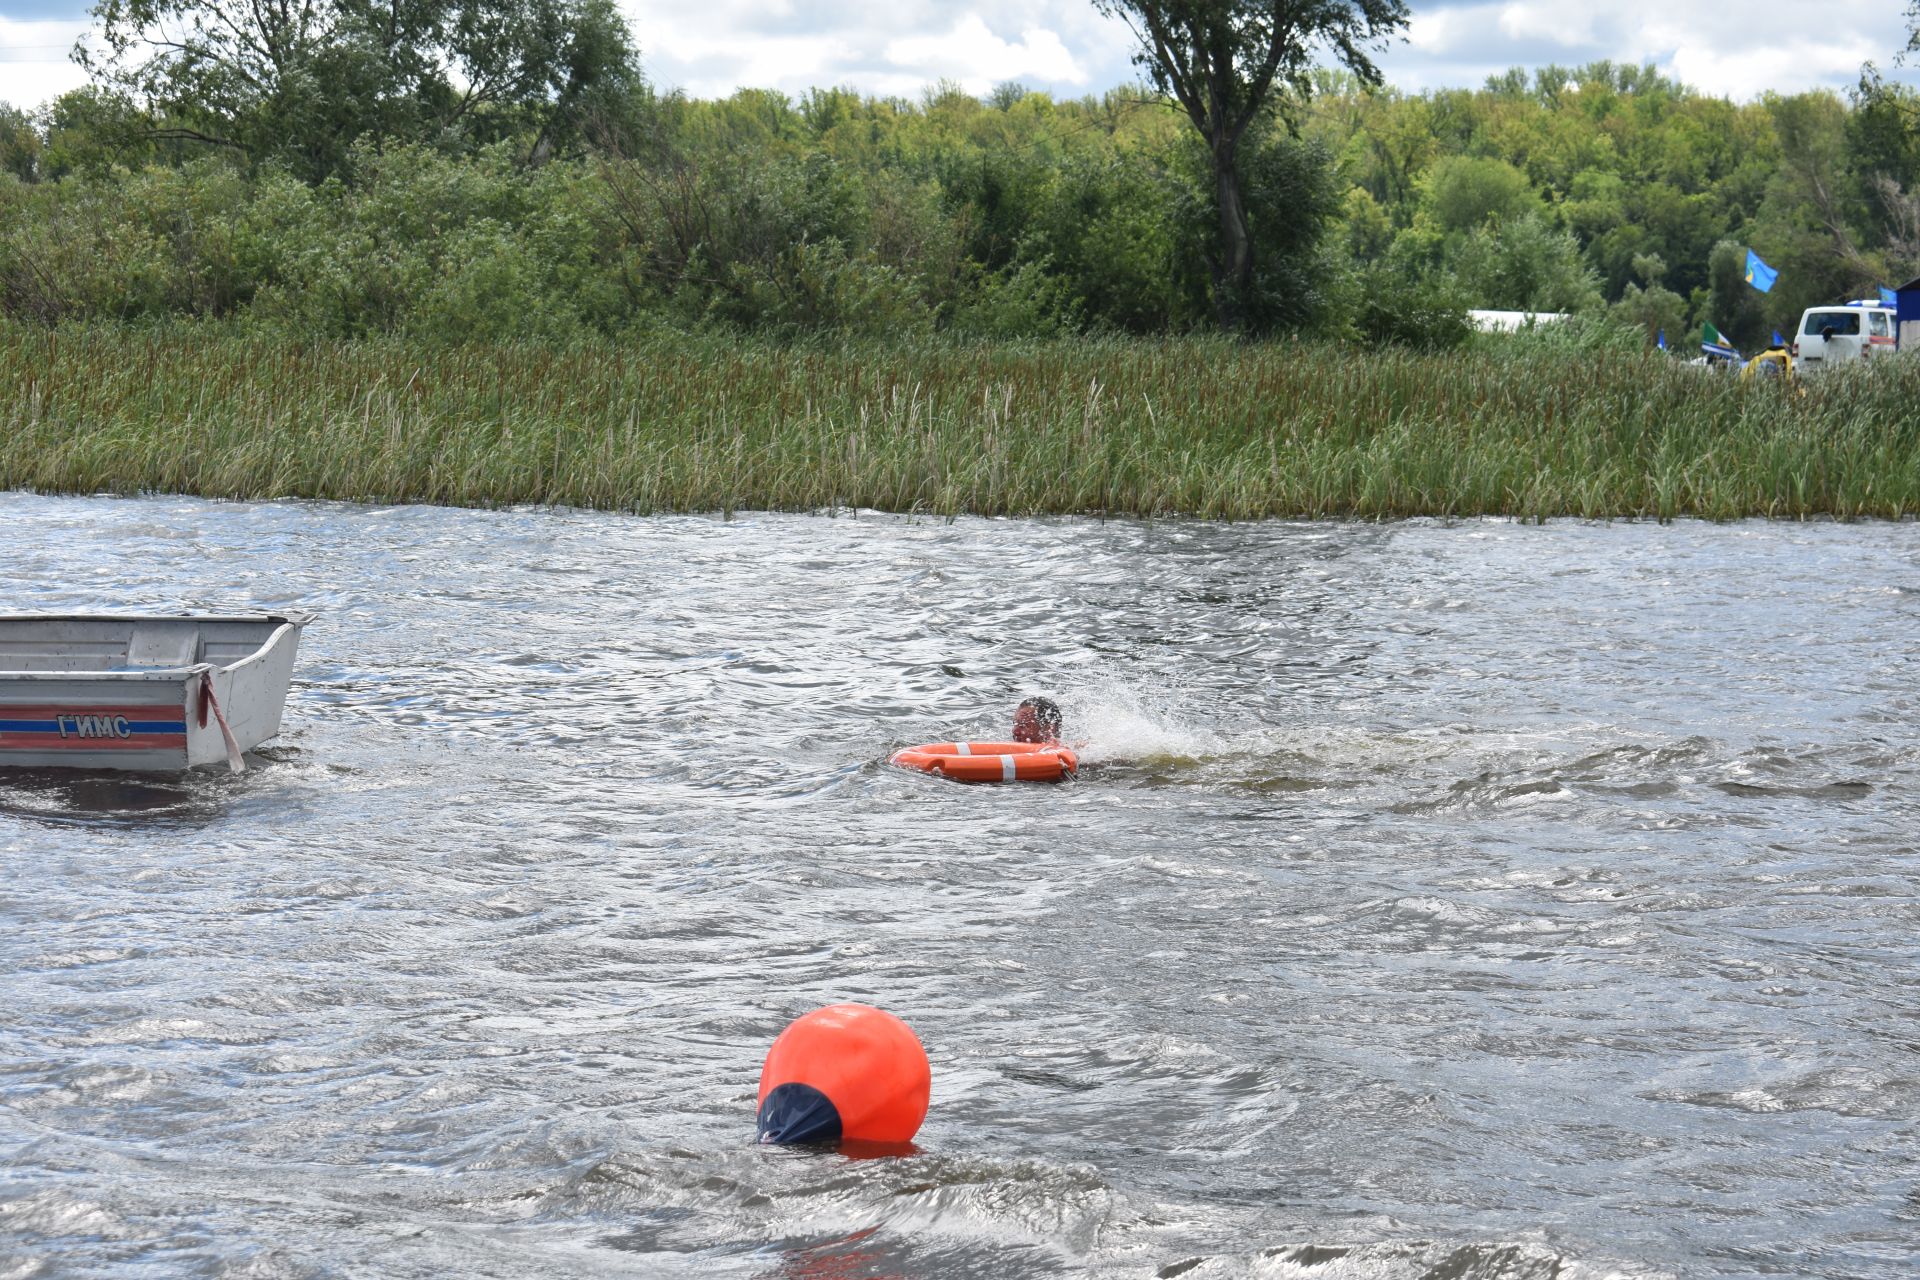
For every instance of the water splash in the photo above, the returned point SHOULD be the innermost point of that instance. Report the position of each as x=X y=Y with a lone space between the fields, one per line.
x=1119 y=722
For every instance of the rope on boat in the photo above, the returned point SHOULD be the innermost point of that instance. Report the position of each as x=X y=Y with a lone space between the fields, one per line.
x=209 y=699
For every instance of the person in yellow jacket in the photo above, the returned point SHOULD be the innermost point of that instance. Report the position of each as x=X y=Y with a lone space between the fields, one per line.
x=1774 y=362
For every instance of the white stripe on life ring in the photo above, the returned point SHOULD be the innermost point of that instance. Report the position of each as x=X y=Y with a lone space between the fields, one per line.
x=1006 y=769
x=962 y=749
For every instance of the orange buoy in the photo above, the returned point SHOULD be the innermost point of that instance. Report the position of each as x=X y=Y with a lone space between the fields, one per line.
x=992 y=761
x=846 y=1073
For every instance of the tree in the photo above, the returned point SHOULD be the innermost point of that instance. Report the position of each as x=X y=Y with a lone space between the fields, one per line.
x=1369 y=229
x=19 y=144
x=1465 y=193
x=1883 y=137
x=1220 y=60
x=1814 y=177
x=90 y=130
x=301 y=82
x=1655 y=309
x=1524 y=265
x=1902 y=212
x=1732 y=305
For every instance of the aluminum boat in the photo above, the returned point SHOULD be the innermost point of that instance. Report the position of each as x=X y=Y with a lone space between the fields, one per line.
x=144 y=692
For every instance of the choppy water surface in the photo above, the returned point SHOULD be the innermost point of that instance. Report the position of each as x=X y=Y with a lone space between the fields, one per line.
x=1469 y=902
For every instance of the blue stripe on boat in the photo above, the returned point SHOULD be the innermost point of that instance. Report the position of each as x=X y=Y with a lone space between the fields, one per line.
x=133 y=726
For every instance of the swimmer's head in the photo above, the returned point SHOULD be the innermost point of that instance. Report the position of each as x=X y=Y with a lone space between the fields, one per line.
x=1037 y=720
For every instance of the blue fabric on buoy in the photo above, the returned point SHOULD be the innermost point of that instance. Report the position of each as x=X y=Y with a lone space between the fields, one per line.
x=846 y=1073
x=796 y=1114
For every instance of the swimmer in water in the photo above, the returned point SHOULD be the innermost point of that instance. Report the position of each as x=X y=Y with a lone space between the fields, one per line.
x=1037 y=720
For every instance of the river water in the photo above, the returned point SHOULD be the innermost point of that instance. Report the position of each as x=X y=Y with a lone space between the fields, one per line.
x=1448 y=901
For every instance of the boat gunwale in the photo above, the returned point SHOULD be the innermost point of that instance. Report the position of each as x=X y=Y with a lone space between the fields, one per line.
x=293 y=620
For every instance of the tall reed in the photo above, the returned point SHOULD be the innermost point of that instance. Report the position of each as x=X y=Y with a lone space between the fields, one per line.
x=1185 y=426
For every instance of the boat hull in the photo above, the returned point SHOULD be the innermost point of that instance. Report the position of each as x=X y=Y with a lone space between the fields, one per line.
x=143 y=720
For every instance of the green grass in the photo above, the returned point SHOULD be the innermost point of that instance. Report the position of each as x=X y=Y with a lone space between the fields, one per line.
x=1193 y=427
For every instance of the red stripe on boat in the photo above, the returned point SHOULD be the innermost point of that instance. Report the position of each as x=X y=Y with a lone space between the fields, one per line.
x=65 y=727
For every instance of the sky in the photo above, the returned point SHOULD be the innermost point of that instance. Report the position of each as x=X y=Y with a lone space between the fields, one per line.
x=899 y=47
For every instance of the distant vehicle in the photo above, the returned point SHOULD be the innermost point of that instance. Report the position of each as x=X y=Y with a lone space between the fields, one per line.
x=1514 y=321
x=1838 y=334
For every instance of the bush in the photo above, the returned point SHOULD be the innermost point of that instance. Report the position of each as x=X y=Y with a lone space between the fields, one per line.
x=1525 y=265
x=1019 y=302
x=1399 y=307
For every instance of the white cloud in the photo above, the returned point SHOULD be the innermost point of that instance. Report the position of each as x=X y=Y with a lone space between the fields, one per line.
x=893 y=47
x=1441 y=33
x=34 y=66
x=1750 y=73
x=898 y=47
x=1739 y=53
x=1549 y=23
x=979 y=59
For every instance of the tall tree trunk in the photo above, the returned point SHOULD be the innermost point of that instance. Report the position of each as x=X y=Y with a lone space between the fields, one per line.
x=1220 y=59
x=1233 y=269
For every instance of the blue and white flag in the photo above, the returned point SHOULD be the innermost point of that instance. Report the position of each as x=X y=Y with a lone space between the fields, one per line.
x=1778 y=341
x=1759 y=274
x=1661 y=342
x=1888 y=298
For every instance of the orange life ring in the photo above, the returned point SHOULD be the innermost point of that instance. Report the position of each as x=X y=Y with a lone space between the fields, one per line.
x=992 y=761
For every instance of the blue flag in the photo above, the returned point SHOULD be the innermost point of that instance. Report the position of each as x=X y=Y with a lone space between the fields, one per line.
x=1888 y=298
x=1778 y=341
x=1662 y=342
x=1759 y=274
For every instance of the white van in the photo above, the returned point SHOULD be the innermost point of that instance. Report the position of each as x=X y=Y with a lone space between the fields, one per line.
x=1834 y=335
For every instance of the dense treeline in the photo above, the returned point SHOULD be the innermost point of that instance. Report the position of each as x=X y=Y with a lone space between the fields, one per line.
x=1571 y=189
x=592 y=205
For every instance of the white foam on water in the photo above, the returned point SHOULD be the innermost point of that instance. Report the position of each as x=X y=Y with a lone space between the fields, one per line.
x=1116 y=721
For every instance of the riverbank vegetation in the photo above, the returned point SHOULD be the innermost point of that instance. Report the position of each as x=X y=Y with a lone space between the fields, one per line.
x=361 y=192
x=476 y=258
x=1214 y=428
